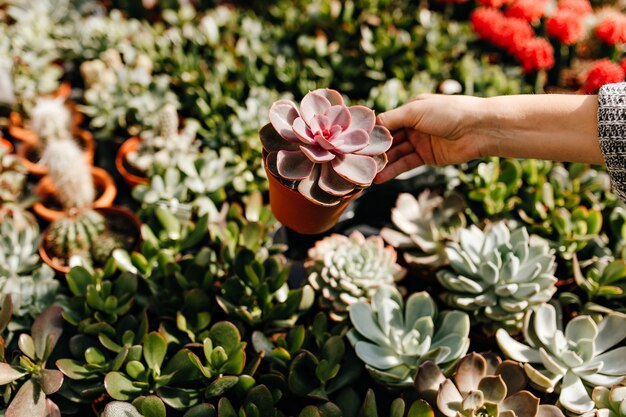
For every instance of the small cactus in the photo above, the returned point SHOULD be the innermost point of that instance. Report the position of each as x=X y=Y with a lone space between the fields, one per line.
x=73 y=236
x=51 y=120
x=70 y=174
x=168 y=121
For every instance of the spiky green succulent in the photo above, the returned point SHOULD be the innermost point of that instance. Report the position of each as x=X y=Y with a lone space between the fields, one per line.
x=498 y=274
x=347 y=269
x=610 y=402
x=572 y=360
x=394 y=338
x=425 y=224
x=483 y=386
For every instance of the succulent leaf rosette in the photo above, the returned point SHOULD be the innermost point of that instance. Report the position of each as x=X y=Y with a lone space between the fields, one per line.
x=394 y=338
x=573 y=360
x=482 y=386
x=498 y=274
x=344 y=270
x=324 y=148
x=610 y=402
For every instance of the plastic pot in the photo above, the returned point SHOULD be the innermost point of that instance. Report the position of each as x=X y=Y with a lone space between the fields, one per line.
x=298 y=213
x=45 y=189
x=127 y=147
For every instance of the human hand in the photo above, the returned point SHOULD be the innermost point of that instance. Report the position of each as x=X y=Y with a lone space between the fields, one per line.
x=432 y=129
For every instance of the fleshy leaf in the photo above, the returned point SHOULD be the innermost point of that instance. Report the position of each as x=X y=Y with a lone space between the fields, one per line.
x=331 y=95
x=317 y=154
x=379 y=143
x=362 y=118
x=351 y=141
x=358 y=169
x=339 y=116
x=272 y=141
x=282 y=115
x=310 y=189
x=294 y=165
x=313 y=104
x=332 y=183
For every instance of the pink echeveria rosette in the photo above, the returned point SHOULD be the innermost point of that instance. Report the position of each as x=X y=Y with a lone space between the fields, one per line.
x=324 y=148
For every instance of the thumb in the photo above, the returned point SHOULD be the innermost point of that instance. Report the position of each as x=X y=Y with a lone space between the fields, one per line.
x=397 y=118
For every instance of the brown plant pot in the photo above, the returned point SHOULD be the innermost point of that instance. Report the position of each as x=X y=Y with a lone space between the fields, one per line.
x=109 y=213
x=105 y=188
x=127 y=147
x=26 y=150
x=298 y=213
x=6 y=144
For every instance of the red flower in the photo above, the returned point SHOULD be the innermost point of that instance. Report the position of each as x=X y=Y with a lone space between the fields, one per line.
x=494 y=3
x=612 y=29
x=623 y=65
x=529 y=10
x=514 y=34
x=566 y=26
x=486 y=22
x=603 y=72
x=507 y=33
x=580 y=7
x=536 y=54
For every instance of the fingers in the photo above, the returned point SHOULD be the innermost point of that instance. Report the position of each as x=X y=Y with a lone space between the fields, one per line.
x=398 y=118
x=399 y=150
x=395 y=168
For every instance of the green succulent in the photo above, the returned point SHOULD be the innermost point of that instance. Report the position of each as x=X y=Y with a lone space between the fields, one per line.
x=347 y=269
x=610 y=402
x=572 y=360
x=493 y=186
x=393 y=337
x=425 y=224
x=604 y=282
x=498 y=275
x=35 y=350
x=12 y=177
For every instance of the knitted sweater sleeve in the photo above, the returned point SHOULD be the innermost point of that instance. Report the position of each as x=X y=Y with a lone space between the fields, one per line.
x=612 y=133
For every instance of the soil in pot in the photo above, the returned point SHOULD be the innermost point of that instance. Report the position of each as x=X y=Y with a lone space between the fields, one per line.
x=122 y=230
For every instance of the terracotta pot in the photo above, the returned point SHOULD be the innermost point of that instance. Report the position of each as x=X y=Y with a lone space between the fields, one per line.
x=6 y=144
x=298 y=213
x=109 y=214
x=105 y=188
x=26 y=149
x=127 y=147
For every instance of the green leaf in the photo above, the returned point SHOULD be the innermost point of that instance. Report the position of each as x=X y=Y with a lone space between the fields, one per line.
x=199 y=231
x=420 y=408
x=310 y=411
x=369 y=405
x=201 y=410
x=251 y=235
x=93 y=355
x=220 y=386
x=26 y=345
x=152 y=406
x=119 y=387
x=169 y=222
x=154 y=350
x=179 y=398
x=225 y=334
x=397 y=408
x=46 y=331
x=262 y=398
x=72 y=368
x=78 y=279
x=225 y=408
x=302 y=378
x=334 y=349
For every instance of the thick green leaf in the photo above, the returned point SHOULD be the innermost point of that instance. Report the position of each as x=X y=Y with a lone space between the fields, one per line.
x=420 y=408
x=221 y=385
x=120 y=387
x=369 y=405
x=154 y=350
x=26 y=345
x=310 y=411
x=199 y=231
x=152 y=406
x=179 y=398
x=201 y=410
x=302 y=379
x=78 y=279
x=262 y=398
x=397 y=408
x=226 y=335
x=225 y=408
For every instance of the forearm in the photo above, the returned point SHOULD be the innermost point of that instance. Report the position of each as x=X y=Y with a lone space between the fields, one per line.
x=557 y=127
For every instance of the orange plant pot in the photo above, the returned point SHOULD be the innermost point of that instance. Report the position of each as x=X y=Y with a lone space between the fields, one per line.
x=296 y=212
x=6 y=144
x=45 y=189
x=108 y=213
x=127 y=147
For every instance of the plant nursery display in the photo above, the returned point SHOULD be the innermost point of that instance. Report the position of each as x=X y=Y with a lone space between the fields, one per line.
x=189 y=224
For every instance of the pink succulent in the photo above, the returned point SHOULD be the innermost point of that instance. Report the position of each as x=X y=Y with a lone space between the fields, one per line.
x=331 y=149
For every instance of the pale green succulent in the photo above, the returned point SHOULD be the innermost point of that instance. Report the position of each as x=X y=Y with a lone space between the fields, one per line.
x=425 y=224
x=12 y=177
x=498 y=274
x=344 y=270
x=610 y=402
x=573 y=360
x=394 y=338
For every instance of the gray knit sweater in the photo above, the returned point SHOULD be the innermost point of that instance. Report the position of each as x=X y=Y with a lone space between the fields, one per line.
x=612 y=133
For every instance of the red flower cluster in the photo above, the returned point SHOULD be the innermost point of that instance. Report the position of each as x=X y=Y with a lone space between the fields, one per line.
x=612 y=29
x=529 y=10
x=623 y=65
x=566 y=26
x=536 y=54
x=515 y=35
x=580 y=7
x=603 y=72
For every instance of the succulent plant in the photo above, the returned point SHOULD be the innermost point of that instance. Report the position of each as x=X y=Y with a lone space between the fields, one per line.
x=425 y=224
x=493 y=184
x=573 y=360
x=394 y=338
x=12 y=177
x=36 y=348
x=347 y=269
x=610 y=402
x=31 y=285
x=498 y=275
x=605 y=279
x=70 y=174
x=166 y=145
x=51 y=120
x=482 y=386
x=329 y=149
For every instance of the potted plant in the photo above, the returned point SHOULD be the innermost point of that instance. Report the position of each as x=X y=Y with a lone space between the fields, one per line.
x=164 y=147
x=51 y=120
x=72 y=184
x=319 y=157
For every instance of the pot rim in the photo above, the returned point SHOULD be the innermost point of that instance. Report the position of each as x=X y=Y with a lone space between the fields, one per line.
x=128 y=146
